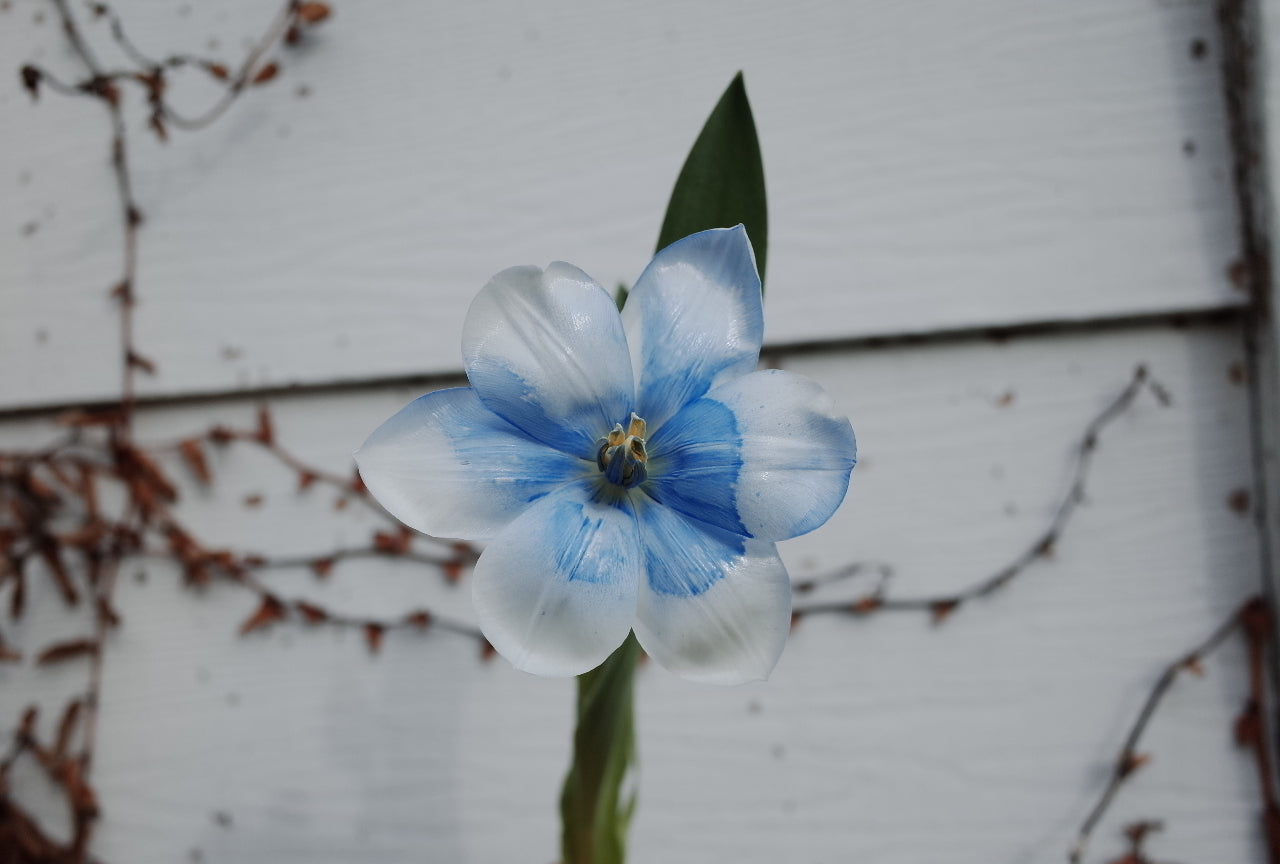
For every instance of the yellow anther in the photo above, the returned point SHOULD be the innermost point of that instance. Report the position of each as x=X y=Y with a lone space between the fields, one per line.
x=621 y=456
x=637 y=427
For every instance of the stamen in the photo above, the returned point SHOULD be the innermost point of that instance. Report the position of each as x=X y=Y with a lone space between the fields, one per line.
x=621 y=456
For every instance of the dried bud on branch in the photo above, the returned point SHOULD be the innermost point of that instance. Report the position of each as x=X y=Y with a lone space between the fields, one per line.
x=62 y=651
x=313 y=13
x=942 y=609
x=421 y=619
x=311 y=613
x=193 y=455
x=266 y=433
x=31 y=77
x=265 y=74
x=269 y=611
x=66 y=728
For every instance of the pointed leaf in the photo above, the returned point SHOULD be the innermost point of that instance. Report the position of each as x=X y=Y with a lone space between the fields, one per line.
x=722 y=181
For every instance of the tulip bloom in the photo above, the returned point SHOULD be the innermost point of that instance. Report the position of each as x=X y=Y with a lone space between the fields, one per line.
x=628 y=470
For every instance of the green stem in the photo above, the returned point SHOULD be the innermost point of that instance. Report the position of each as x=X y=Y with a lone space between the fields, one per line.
x=593 y=806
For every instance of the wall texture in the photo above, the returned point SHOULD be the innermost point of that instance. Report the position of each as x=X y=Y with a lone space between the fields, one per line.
x=935 y=170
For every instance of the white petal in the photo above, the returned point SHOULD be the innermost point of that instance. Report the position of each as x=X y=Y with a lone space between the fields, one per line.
x=447 y=466
x=713 y=606
x=556 y=590
x=546 y=351
x=694 y=319
x=765 y=455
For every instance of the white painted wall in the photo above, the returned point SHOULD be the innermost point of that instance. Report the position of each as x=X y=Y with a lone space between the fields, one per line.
x=931 y=166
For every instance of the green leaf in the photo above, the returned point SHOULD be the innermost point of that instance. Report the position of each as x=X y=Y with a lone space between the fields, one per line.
x=722 y=181
x=595 y=811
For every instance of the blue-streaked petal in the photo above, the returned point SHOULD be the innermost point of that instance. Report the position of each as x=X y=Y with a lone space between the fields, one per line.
x=693 y=320
x=556 y=590
x=713 y=606
x=447 y=466
x=766 y=455
x=546 y=351
x=695 y=460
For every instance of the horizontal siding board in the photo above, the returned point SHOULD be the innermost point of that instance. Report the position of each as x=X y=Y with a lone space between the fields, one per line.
x=931 y=166
x=887 y=739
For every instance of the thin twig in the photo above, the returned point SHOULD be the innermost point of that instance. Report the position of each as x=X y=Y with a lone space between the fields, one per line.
x=101 y=86
x=313 y=613
x=1130 y=759
x=330 y=557
x=248 y=69
x=940 y=606
x=349 y=486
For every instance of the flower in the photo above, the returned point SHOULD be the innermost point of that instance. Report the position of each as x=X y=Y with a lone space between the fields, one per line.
x=629 y=470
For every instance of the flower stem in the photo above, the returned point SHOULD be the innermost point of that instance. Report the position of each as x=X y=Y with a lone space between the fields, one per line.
x=595 y=810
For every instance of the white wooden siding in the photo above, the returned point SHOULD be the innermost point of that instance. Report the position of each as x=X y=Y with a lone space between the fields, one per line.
x=931 y=166
x=983 y=739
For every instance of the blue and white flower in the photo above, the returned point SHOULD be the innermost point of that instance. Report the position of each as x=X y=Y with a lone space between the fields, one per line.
x=628 y=470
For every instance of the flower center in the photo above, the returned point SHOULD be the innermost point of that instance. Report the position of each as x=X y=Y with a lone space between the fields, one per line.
x=621 y=454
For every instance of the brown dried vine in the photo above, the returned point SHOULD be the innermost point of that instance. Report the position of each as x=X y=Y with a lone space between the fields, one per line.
x=52 y=521
x=940 y=607
x=1136 y=833
x=1255 y=621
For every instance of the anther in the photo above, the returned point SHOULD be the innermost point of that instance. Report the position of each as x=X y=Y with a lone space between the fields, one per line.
x=621 y=456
